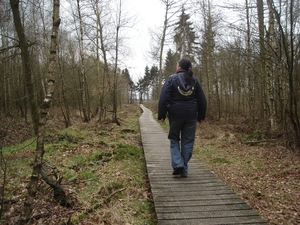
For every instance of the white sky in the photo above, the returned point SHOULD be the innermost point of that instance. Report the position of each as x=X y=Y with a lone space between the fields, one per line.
x=150 y=14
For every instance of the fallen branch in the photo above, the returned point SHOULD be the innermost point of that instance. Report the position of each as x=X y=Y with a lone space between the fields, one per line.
x=59 y=193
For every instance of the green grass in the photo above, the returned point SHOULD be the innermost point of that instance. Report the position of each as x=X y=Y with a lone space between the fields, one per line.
x=28 y=145
x=96 y=162
x=220 y=160
x=125 y=151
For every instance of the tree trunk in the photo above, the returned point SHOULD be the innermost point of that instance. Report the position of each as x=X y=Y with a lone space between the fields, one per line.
x=26 y=63
x=248 y=74
x=168 y=4
x=208 y=47
x=105 y=81
x=115 y=84
x=83 y=86
x=270 y=81
x=37 y=164
x=260 y=14
x=65 y=109
x=288 y=48
x=161 y=50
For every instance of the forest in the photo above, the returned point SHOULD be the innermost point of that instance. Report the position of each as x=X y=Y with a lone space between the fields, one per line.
x=63 y=60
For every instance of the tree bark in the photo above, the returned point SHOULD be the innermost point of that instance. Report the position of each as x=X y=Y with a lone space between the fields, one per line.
x=83 y=86
x=23 y=44
x=37 y=164
x=270 y=79
x=168 y=5
x=260 y=14
x=288 y=49
x=102 y=46
x=58 y=192
x=115 y=83
x=248 y=74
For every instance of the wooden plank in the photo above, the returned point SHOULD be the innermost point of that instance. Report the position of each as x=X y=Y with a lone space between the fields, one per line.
x=167 y=192
x=199 y=185
x=195 y=197
x=200 y=199
x=206 y=214
x=204 y=208
x=216 y=221
x=207 y=202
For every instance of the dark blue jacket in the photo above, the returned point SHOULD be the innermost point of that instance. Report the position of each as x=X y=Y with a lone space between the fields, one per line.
x=181 y=100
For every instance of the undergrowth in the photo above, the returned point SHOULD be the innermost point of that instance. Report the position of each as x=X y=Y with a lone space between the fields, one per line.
x=100 y=166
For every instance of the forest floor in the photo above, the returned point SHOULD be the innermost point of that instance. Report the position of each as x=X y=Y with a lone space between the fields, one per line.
x=103 y=169
x=256 y=166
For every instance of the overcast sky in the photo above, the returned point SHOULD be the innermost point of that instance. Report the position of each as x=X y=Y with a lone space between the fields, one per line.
x=150 y=14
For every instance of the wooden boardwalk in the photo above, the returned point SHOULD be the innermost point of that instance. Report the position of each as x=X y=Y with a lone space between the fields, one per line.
x=199 y=199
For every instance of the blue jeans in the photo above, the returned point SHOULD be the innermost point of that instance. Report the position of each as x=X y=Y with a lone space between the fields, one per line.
x=182 y=138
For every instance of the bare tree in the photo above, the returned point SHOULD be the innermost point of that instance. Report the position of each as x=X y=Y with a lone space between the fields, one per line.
x=122 y=20
x=248 y=73
x=102 y=48
x=83 y=86
x=115 y=85
x=24 y=44
x=288 y=43
x=172 y=7
x=40 y=128
x=208 y=47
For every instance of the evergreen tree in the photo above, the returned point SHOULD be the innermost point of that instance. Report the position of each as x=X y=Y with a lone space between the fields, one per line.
x=130 y=85
x=153 y=73
x=170 y=63
x=185 y=36
x=155 y=82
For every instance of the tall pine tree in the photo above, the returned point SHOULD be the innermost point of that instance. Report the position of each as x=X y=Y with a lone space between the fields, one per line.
x=185 y=36
x=170 y=63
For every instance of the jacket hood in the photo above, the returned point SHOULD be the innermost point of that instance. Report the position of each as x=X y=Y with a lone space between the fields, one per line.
x=182 y=83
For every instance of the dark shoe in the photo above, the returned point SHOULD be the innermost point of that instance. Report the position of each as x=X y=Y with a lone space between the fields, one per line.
x=177 y=170
x=183 y=175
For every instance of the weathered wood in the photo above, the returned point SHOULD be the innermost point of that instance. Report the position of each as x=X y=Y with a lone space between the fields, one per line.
x=200 y=199
x=205 y=215
x=205 y=208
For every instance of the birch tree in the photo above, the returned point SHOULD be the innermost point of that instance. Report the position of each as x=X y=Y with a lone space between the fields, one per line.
x=83 y=86
x=41 y=121
x=172 y=7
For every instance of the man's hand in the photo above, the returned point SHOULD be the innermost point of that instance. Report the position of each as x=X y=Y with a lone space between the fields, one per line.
x=162 y=120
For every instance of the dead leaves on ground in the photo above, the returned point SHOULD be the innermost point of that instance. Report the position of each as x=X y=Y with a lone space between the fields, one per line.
x=266 y=176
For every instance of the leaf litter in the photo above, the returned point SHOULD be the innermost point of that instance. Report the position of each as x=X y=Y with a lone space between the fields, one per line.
x=265 y=174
